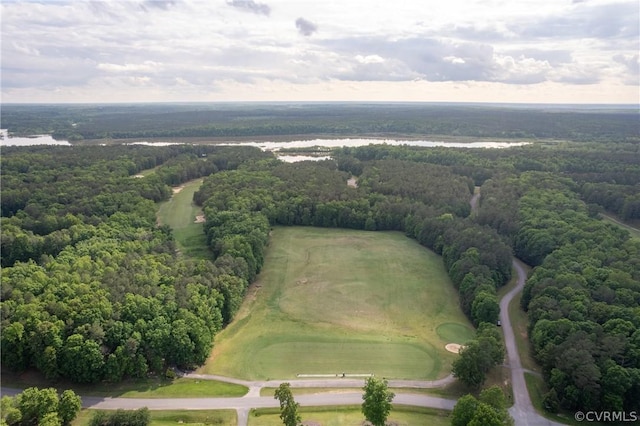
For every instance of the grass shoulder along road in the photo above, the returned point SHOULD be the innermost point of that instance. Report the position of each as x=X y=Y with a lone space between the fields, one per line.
x=332 y=300
x=174 y=417
x=152 y=387
x=351 y=415
x=632 y=228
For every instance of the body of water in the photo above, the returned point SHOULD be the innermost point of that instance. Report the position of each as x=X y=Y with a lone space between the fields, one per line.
x=296 y=158
x=351 y=142
x=334 y=143
x=6 y=140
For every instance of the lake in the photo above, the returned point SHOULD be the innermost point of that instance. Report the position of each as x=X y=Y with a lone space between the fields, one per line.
x=334 y=143
x=6 y=140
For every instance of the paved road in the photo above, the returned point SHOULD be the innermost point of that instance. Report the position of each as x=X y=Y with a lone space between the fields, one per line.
x=338 y=382
x=522 y=411
x=244 y=404
x=247 y=402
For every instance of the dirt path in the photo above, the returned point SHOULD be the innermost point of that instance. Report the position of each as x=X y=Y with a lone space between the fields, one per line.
x=474 y=200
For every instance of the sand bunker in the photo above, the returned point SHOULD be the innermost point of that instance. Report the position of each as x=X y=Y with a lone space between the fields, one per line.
x=453 y=347
x=199 y=219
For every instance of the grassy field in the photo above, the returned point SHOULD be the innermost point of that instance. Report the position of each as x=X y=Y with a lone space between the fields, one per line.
x=180 y=213
x=351 y=415
x=151 y=387
x=183 y=417
x=330 y=301
x=177 y=388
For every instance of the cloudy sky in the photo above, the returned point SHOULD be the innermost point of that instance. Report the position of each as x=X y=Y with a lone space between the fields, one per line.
x=552 y=51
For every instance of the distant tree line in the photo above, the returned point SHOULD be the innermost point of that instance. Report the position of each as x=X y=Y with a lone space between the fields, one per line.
x=77 y=123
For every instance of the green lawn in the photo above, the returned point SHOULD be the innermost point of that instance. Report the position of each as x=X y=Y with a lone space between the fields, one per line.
x=331 y=301
x=180 y=214
x=351 y=415
x=184 y=417
x=152 y=387
x=520 y=323
x=177 y=388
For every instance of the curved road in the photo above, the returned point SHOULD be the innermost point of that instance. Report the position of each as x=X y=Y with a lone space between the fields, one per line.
x=522 y=410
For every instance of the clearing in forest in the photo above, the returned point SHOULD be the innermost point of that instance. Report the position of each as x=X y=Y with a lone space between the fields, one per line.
x=332 y=301
x=184 y=217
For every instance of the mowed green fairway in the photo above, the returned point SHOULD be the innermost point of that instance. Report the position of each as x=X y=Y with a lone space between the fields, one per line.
x=180 y=213
x=333 y=301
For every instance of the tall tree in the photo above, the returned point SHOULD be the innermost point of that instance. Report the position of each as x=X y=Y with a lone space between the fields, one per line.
x=464 y=410
x=69 y=406
x=288 y=405
x=479 y=356
x=489 y=410
x=377 y=401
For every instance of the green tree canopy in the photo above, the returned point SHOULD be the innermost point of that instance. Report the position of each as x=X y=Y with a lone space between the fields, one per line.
x=288 y=405
x=40 y=406
x=377 y=401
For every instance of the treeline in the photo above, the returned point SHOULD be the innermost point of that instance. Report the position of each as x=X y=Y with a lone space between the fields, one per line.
x=92 y=289
x=75 y=122
x=427 y=202
x=623 y=200
x=604 y=175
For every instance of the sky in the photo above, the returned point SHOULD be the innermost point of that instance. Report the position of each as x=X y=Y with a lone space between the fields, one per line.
x=515 y=51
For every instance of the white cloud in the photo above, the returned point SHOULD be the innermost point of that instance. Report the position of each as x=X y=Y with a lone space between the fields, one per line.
x=251 y=6
x=146 y=66
x=520 y=70
x=23 y=48
x=369 y=59
x=454 y=60
x=201 y=47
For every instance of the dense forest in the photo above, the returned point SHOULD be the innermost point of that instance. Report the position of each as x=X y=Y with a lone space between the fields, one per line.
x=93 y=289
x=143 y=121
